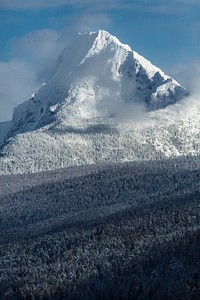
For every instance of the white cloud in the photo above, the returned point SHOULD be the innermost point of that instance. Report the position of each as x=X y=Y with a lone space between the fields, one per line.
x=188 y=74
x=88 y=22
x=39 y=50
x=36 y=45
x=32 y=57
x=17 y=84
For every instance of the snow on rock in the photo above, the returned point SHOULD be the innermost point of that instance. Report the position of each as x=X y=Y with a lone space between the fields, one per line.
x=104 y=103
x=97 y=76
x=164 y=133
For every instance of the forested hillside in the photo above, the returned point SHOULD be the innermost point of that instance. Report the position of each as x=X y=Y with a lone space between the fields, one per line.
x=116 y=231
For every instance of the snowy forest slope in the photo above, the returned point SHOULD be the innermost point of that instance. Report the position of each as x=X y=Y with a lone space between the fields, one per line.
x=169 y=132
x=124 y=230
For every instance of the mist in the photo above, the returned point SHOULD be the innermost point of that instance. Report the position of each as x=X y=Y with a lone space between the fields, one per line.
x=105 y=90
x=188 y=75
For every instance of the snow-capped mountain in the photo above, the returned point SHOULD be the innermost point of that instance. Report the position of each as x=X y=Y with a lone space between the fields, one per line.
x=97 y=76
x=87 y=112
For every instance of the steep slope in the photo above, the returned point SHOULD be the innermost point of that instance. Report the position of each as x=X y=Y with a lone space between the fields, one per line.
x=97 y=76
x=102 y=104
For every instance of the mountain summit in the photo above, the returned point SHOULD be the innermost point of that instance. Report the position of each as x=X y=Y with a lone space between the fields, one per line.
x=97 y=76
x=102 y=104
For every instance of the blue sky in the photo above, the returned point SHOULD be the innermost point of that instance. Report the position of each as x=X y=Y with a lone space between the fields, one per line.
x=34 y=32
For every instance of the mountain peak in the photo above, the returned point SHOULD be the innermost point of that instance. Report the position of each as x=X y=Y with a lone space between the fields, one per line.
x=97 y=76
x=105 y=38
x=88 y=44
x=79 y=116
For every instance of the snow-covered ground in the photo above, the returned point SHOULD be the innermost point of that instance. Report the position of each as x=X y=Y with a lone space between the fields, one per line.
x=170 y=132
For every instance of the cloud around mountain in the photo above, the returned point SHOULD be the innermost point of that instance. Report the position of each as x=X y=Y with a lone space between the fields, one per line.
x=98 y=76
x=92 y=110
